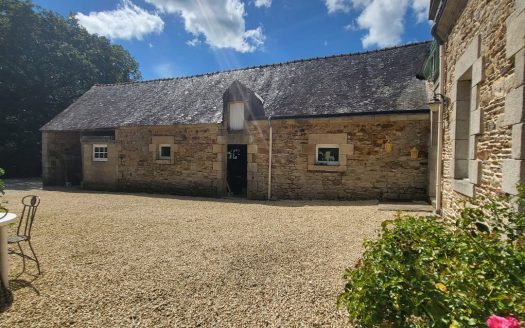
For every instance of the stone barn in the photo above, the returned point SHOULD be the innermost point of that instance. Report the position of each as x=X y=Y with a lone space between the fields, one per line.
x=352 y=126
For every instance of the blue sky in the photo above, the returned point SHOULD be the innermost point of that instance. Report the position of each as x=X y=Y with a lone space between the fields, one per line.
x=184 y=37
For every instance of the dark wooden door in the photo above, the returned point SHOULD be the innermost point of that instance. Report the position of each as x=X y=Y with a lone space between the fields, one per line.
x=237 y=165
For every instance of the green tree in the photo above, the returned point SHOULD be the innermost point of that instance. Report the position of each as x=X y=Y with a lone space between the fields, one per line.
x=46 y=62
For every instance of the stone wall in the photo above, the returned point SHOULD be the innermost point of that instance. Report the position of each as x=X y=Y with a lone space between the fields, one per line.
x=197 y=165
x=61 y=158
x=101 y=175
x=475 y=53
x=190 y=173
x=367 y=170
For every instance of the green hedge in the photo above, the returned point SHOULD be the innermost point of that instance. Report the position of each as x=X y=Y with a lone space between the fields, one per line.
x=433 y=272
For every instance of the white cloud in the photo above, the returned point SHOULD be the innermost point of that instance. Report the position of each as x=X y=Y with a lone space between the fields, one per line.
x=128 y=21
x=383 y=19
x=220 y=22
x=263 y=3
x=420 y=8
x=338 y=5
x=351 y=27
x=193 y=42
x=164 y=70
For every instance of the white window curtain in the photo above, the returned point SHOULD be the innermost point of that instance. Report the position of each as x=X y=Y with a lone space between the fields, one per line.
x=237 y=116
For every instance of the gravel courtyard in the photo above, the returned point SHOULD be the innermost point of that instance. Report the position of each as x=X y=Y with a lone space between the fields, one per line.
x=125 y=260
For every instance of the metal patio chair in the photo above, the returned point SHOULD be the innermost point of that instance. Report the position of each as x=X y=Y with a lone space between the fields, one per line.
x=23 y=232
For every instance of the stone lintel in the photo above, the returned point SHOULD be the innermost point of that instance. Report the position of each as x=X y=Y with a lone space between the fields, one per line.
x=162 y=140
x=471 y=54
x=328 y=138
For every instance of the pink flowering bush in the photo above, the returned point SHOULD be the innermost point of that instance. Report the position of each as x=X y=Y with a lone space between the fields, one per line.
x=495 y=321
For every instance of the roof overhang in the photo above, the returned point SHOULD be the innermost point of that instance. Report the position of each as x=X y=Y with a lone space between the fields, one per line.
x=392 y=112
x=445 y=15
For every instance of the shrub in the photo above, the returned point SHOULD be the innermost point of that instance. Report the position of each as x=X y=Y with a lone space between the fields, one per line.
x=434 y=272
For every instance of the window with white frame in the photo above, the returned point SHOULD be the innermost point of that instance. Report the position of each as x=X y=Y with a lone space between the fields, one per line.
x=165 y=151
x=236 y=113
x=327 y=154
x=100 y=152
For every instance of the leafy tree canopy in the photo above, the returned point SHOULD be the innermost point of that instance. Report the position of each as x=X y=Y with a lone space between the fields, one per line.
x=46 y=62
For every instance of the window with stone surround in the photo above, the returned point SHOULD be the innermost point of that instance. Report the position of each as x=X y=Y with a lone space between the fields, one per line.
x=165 y=151
x=466 y=118
x=100 y=152
x=327 y=154
x=462 y=143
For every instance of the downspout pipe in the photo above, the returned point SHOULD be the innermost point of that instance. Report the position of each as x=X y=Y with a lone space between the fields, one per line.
x=270 y=143
x=439 y=157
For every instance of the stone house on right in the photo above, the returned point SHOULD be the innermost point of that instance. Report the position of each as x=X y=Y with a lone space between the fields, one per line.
x=478 y=108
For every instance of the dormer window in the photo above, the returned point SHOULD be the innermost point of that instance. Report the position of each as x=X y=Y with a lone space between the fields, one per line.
x=236 y=113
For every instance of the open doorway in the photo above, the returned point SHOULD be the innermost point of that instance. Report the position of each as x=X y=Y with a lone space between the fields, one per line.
x=237 y=167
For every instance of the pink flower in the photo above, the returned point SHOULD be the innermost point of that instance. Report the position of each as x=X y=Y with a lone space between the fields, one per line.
x=495 y=321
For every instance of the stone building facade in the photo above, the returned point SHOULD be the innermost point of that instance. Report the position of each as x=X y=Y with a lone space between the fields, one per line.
x=301 y=130
x=482 y=112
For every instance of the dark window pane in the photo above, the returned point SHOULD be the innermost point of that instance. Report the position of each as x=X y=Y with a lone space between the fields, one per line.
x=165 y=151
x=328 y=155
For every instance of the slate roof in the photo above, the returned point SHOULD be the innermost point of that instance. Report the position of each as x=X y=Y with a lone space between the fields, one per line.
x=377 y=81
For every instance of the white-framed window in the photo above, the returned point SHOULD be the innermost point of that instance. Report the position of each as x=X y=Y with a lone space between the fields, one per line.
x=100 y=152
x=164 y=151
x=236 y=113
x=327 y=154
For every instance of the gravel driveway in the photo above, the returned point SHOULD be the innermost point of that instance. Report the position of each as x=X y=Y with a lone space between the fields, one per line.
x=124 y=260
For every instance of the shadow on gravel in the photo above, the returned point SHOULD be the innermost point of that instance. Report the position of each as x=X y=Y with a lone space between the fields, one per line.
x=23 y=184
x=6 y=294
x=20 y=284
x=226 y=200
x=36 y=184
x=6 y=298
